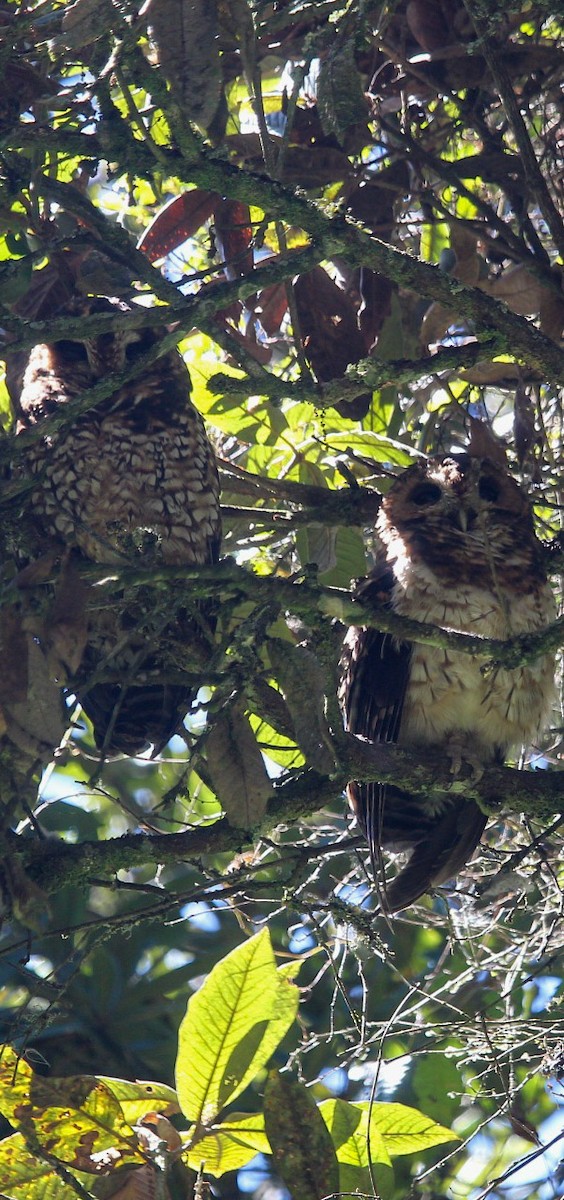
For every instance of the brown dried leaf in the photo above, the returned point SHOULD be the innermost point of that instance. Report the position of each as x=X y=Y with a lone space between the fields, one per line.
x=141 y=1183
x=306 y=166
x=85 y=21
x=302 y=680
x=66 y=626
x=552 y=306
x=271 y=307
x=427 y=24
x=185 y=33
x=372 y=201
x=330 y=335
x=484 y=444
x=236 y=769
x=13 y=657
x=29 y=903
x=177 y=221
x=376 y=293
x=495 y=372
x=259 y=350
x=315 y=166
x=36 y=723
x=520 y=290
x=234 y=236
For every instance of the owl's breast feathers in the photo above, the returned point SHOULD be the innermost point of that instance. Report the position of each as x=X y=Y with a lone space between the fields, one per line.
x=480 y=576
x=133 y=479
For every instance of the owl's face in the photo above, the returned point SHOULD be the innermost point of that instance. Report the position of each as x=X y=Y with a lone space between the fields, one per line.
x=458 y=505
x=459 y=490
x=59 y=371
x=103 y=353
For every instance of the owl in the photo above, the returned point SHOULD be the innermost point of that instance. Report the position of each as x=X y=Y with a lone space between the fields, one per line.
x=457 y=549
x=132 y=481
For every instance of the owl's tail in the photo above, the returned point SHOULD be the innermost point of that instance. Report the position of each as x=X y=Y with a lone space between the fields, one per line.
x=448 y=846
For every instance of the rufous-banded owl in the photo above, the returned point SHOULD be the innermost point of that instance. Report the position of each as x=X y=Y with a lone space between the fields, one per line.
x=132 y=481
x=457 y=549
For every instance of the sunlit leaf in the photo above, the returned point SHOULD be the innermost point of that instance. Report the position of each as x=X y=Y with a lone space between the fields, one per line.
x=230 y=1145
x=232 y=1026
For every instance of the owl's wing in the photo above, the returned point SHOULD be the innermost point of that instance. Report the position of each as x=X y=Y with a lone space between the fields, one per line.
x=375 y=678
x=375 y=682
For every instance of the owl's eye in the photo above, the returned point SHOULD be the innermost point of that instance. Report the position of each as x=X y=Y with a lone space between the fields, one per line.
x=426 y=493
x=73 y=351
x=488 y=489
x=134 y=348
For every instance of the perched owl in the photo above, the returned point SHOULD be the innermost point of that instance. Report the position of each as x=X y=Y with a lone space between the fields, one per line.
x=134 y=480
x=457 y=548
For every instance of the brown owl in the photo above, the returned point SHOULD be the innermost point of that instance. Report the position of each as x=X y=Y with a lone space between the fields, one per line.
x=457 y=549
x=133 y=480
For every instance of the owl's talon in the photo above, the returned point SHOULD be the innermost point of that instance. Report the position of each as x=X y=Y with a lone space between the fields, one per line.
x=460 y=754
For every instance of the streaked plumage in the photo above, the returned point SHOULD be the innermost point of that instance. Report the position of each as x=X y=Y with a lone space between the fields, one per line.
x=457 y=549
x=132 y=480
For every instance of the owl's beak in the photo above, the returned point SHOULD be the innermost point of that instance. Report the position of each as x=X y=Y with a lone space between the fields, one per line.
x=466 y=517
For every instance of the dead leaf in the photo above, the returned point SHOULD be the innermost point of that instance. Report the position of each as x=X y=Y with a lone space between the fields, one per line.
x=185 y=33
x=427 y=23
x=330 y=334
x=484 y=444
x=36 y=723
x=271 y=307
x=177 y=221
x=521 y=291
x=236 y=769
x=523 y=424
x=84 y=21
x=376 y=292
x=234 y=235
x=65 y=630
x=13 y=657
x=303 y=684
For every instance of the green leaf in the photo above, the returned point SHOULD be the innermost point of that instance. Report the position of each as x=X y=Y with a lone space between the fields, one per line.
x=232 y=1026
x=15 y=1083
x=405 y=1130
x=26 y=1177
x=338 y=552
x=73 y=1117
x=279 y=748
x=139 y=1098
x=229 y=1146
x=302 y=1149
x=348 y=1126
x=435 y=1078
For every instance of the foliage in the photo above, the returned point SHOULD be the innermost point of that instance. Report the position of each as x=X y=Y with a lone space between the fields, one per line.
x=349 y=219
x=71 y=1128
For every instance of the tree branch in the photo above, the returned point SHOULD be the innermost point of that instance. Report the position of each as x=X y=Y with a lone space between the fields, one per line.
x=311 y=601
x=298 y=795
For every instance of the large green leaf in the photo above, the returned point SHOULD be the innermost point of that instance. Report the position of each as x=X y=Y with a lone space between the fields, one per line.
x=74 y=1117
x=229 y=1146
x=232 y=1026
x=139 y=1098
x=348 y=1126
x=24 y=1176
x=405 y=1130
